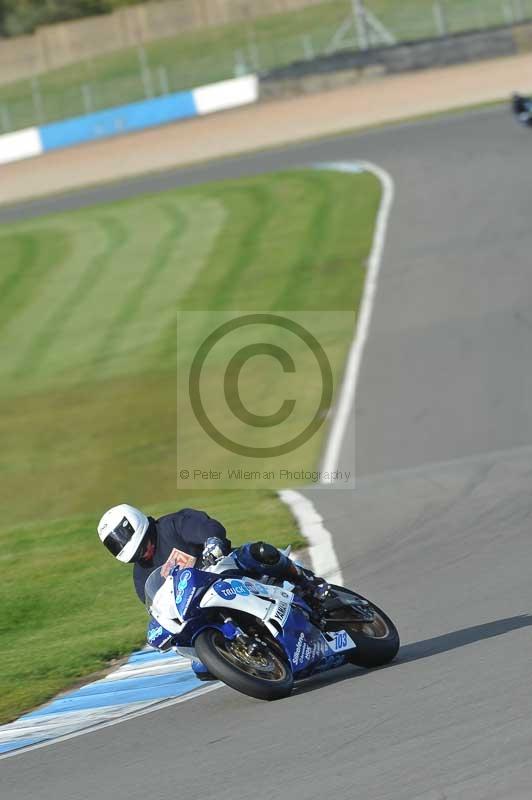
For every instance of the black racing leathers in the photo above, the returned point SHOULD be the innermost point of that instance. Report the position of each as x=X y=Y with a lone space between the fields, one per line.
x=185 y=530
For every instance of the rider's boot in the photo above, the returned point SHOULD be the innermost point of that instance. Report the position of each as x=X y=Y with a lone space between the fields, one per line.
x=201 y=672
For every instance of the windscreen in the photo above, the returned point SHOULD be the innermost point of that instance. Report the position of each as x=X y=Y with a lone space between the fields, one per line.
x=152 y=586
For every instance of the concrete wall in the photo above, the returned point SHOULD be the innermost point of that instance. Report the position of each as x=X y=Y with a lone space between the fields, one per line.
x=58 y=45
x=348 y=67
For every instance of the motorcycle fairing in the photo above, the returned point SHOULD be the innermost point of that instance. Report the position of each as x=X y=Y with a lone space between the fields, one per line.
x=308 y=648
x=234 y=595
x=303 y=643
x=177 y=603
x=186 y=585
x=157 y=635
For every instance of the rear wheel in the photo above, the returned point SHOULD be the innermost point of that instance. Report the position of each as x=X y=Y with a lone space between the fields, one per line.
x=250 y=666
x=377 y=639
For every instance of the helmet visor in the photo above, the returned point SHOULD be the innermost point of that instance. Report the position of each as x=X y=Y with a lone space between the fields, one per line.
x=119 y=537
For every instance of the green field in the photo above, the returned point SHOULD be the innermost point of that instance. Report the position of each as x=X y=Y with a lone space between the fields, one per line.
x=88 y=303
x=216 y=54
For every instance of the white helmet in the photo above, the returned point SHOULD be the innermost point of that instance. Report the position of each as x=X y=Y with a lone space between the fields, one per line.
x=122 y=530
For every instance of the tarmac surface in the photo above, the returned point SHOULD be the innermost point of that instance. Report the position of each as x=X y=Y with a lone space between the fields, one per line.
x=438 y=531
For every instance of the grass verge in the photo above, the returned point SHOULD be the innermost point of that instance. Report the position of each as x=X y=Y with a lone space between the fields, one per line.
x=88 y=302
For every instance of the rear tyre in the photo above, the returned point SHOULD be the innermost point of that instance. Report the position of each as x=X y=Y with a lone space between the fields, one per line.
x=263 y=675
x=377 y=643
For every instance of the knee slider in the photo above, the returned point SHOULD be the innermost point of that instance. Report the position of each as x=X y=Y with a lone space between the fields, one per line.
x=265 y=553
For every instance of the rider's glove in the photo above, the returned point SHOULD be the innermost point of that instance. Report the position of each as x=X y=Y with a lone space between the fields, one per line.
x=213 y=550
x=312 y=586
x=318 y=588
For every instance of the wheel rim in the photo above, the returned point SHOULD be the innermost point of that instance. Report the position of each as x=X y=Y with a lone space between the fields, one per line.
x=377 y=629
x=263 y=664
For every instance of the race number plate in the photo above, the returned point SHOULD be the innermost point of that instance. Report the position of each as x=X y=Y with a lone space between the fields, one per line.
x=177 y=558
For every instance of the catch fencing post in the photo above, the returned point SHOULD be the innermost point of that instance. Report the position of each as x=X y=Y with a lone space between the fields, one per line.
x=145 y=72
x=360 y=22
x=164 y=83
x=439 y=18
x=481 y=17
x=520 y=10
x=240 y=67
x=308 y=47
x=508 y=12
x=253 y=50
x=38 y=105
x=88 y=105
x=6 y=119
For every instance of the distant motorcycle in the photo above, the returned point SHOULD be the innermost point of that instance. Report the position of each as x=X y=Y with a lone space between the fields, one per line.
x=259 y=637
x=522 y=109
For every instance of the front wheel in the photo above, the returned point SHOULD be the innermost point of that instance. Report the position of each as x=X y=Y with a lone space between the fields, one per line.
x=377 y=641
x=257 y=670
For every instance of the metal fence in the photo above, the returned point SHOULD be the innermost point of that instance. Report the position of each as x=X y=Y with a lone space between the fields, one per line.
x=166 y=66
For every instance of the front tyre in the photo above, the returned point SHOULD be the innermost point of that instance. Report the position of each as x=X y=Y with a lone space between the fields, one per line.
x=262 y=674
x=377 y=642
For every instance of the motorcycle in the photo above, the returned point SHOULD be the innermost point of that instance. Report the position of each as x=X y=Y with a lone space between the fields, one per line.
x=259 y=637
x=522 y=109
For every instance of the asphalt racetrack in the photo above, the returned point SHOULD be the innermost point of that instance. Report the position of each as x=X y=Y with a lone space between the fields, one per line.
x=438 y=532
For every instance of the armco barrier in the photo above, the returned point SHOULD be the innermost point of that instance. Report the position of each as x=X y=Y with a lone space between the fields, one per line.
x=129 y=118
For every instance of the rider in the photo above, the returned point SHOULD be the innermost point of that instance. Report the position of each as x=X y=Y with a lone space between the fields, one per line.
x=522 y=107
x=132 y=537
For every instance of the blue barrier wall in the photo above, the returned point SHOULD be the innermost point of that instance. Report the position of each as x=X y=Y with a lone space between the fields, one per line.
x=133 y=117
x=114 y=121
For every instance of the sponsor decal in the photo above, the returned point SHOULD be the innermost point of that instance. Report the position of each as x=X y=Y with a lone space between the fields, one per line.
x=308 y=653
x=252 y=587
x=230 y=588
x=281 y=612
x=154 y=633
x=224 y=590
x=298 y=652
x=182 y=585
x=183 y=611
x=240 y=588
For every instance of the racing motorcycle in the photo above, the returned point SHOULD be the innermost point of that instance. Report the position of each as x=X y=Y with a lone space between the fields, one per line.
x=522 y=109
x=259 y=637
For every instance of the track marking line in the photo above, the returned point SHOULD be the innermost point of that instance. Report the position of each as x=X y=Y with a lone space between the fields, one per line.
x=321 y=552
x=322 y=555
x=344 y=407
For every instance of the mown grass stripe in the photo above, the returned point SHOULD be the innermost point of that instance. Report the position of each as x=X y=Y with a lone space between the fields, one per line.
x=296 y=287
x=261 y=209
x=85 y=240
x=134 y=298
x=116 y=235
x=38 y=252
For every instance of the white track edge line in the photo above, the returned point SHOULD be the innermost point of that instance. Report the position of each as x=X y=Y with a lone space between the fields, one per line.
x=321 y=552
x=350 y=380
